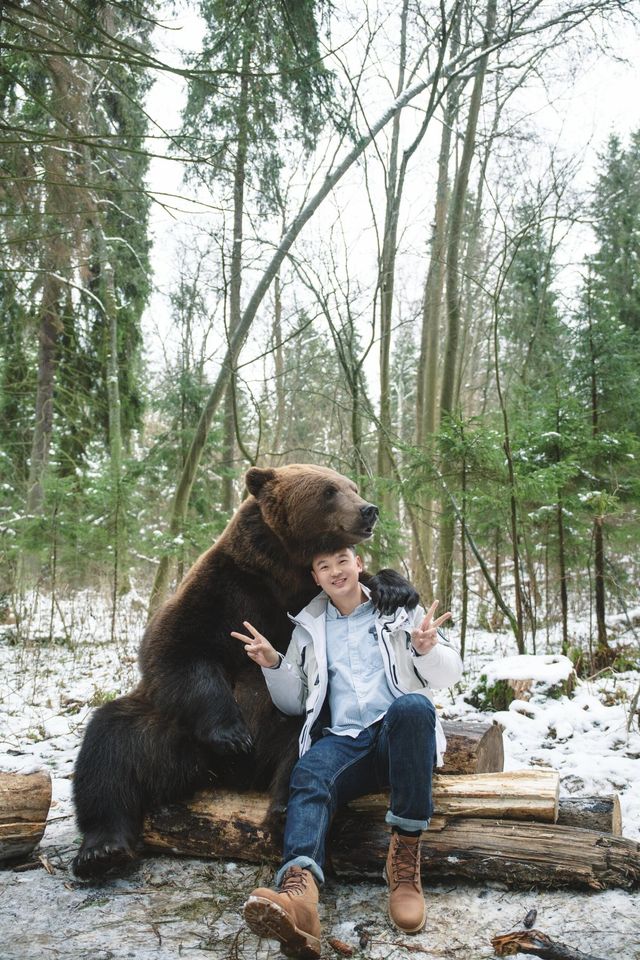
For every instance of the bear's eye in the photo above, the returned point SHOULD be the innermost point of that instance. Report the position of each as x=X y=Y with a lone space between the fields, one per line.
x=330 y=492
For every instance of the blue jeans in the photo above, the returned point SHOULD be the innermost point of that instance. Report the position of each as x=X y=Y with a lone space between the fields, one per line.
x=398 y=751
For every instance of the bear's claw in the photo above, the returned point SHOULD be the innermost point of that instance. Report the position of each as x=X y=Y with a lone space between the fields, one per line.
x=225 y=742
x=95 y=861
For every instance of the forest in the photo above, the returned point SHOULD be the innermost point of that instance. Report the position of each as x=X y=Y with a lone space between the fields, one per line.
x=456 y=328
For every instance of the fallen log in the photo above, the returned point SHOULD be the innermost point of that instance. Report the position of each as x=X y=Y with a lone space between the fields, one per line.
x=592 y=813
x=473 y=747
x=537 y=943
x=25 y=799
x=519 y=853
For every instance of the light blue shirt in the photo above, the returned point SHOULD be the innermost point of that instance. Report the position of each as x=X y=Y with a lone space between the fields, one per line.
x=358 y=690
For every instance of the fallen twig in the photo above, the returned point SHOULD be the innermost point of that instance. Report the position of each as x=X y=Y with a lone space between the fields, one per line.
x=538 y=944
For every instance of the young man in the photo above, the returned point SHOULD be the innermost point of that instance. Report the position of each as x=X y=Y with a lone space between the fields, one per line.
x=364 y=682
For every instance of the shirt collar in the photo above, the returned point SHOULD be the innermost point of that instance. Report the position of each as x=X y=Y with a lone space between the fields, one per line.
x=363 y=609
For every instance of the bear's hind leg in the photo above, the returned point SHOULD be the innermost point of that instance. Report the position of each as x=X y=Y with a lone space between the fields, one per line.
x=106 y=788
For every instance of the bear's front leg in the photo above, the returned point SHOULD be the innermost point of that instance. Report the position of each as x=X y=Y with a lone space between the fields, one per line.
x=390 y=591
x=224 y=734
x=199 y=693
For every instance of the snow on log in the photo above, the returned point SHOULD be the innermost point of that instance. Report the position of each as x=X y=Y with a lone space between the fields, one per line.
x=25 y=799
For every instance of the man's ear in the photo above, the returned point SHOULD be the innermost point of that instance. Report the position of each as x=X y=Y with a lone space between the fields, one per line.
x=256 y=477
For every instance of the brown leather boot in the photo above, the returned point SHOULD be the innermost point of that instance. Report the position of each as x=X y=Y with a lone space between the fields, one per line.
x=289 y=914
x=407 y=908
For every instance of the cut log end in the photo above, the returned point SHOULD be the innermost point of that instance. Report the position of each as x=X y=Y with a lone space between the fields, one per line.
x=473 y=747
x=25 y=799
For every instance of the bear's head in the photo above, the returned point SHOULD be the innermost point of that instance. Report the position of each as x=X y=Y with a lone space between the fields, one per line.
x=310 y=508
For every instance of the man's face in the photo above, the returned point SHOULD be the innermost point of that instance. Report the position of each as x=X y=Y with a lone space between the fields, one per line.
x=337 y=573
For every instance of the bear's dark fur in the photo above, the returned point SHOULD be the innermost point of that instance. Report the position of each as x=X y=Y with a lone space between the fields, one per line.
x=201 y=713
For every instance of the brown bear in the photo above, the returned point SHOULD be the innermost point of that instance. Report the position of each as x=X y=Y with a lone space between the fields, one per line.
x=201 y=713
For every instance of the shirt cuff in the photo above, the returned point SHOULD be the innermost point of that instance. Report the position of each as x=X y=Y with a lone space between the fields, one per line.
x=276 y=666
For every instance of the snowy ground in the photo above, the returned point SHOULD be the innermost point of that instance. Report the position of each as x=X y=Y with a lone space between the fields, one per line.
x=169 y=907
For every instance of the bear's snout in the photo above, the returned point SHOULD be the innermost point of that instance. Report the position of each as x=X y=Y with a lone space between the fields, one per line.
x=369 y=514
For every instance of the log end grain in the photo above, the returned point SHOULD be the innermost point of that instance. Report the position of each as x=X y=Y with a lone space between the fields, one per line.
x=25 y=799
x=473 y=747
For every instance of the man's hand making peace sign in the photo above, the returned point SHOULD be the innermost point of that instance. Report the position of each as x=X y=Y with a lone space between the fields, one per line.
x=425 y=637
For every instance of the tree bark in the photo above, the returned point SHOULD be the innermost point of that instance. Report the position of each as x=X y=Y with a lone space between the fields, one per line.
x=24 y=804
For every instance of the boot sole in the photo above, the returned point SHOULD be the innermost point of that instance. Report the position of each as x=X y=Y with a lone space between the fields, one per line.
x=266 y=919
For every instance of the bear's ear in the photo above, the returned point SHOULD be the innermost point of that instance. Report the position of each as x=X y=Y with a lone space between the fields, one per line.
x=256 y=478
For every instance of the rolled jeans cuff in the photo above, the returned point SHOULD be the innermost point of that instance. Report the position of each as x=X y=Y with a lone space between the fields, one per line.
x=405 y=823
x=306 y=863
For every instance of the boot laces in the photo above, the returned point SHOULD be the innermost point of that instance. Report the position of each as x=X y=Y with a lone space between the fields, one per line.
x=295 y=882
x=405 y=861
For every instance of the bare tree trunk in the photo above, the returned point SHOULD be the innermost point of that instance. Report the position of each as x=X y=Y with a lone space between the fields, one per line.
x=235 y=278
x=50 y=330
x=518 y=626
x=110 y=308
x=427 y=381
x=386 y=275
x=564 y=605
x=447 y=522
x=463 y=546
x=278 y=358
x=602 y=649
x=473 y=283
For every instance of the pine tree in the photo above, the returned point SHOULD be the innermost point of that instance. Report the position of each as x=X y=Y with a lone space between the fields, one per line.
x=616 y=224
